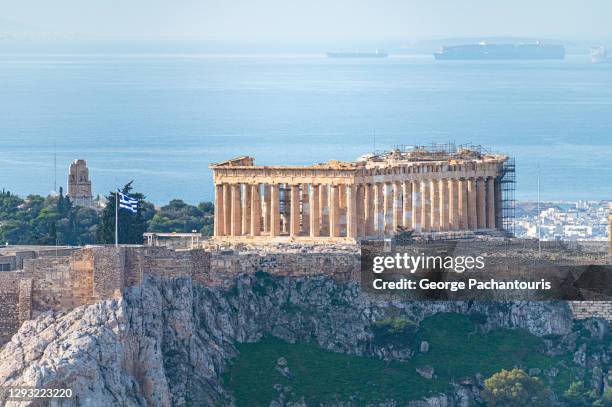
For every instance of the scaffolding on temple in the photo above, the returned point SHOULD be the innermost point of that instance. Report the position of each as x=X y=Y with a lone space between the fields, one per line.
x=435 y=151
x=508 y=187
x=505 y=215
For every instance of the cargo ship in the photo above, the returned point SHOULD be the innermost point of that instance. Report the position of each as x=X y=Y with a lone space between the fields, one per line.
x=500 y=51
x=377 y=54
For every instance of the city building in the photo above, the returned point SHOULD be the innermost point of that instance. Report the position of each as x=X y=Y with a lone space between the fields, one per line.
x=581 y=220
x=79 y=184
x=427 y=190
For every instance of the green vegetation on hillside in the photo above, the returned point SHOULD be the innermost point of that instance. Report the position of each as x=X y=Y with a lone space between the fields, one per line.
x=515 y=388
x=180 y=216
x=47 y=221
x=131 y=225
x=55 y=220
x=458 y=349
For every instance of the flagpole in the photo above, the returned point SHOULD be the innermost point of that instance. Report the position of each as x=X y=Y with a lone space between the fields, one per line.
x=116 y=219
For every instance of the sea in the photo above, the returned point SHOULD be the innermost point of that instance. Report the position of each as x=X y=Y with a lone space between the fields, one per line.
x=160 y=119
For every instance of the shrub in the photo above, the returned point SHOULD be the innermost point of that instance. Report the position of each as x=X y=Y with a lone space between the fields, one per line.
x=515 y=388
x=393 y=329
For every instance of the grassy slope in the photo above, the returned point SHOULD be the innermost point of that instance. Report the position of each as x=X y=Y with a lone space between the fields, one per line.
x=457 y=350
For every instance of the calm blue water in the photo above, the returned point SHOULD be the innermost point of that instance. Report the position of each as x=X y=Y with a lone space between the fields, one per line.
x=161 y=119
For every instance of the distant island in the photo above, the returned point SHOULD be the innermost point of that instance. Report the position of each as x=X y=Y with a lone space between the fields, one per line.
x=376 y=54
x=485 y=50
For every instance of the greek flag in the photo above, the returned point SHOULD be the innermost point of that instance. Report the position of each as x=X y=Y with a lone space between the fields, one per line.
x=128 y=202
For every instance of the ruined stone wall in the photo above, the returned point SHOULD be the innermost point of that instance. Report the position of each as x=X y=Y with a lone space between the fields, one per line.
x=200 y=261
x=16 y=259
x=7 y=261
x=167 y=263
x=82 y=276
x=15 y=305
x=134 y=266
x=108 y=272
x=589 y=309
x=164 y=262
x=51 y=283
x=21 y=256
x=224 y=266
x=93 y=273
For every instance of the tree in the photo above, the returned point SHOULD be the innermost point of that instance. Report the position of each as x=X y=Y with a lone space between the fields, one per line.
x=61 y=208
x=131 y=225
x=53 y=234
x=55 y=220
x=86 y=223
x=177 y=216
x=515 y=388
x=207 y=208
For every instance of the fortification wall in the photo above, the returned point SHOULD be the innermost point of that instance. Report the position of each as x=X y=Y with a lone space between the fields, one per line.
x=224 y=266
x=82 y=277
x=590 y=309
x=15 y=302
x=108 y=272
x=7 y=263
x=164 y=262
x=51 y=288
x=94 y=273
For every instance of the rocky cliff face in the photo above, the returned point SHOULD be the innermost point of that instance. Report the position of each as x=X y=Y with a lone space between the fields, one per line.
x=166 y=342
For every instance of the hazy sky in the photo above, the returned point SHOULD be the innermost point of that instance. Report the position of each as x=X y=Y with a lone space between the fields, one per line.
x=314 y=20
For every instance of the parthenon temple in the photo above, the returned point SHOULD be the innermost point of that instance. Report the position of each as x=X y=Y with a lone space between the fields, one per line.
x=424 y=190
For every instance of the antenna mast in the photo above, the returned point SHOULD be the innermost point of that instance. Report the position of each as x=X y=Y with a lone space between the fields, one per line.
x=54 y=166
x=539 y=219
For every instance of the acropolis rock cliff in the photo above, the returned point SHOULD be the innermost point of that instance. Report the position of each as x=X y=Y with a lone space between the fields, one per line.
x=167 y=341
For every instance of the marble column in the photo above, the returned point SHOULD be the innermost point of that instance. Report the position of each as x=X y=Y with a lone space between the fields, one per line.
x=368 y=210
x=236 y=210
x=324 y=209
x=435 y=205
x=246 y=210
x=255 y=210
x=379 y=214
x=359 y=196
x=406 y=204
x=341 y=196
x=285 y=196
x=388 y=208
x=227 y=209
x=315 y=226
x=294 y=222
x=219 y=223
x=351 y=211
x=499 y=224
x=266 y=208
x=398 y=218
x=472 y=204
x=444 y=206
x=275 y=210
x=425 y=206
x=342 y=217
x=463 y=204
x=334 y=211
x=490 y=202
x=481 y=205
x=453 y=204
x=305 y=203
x=416 y=203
